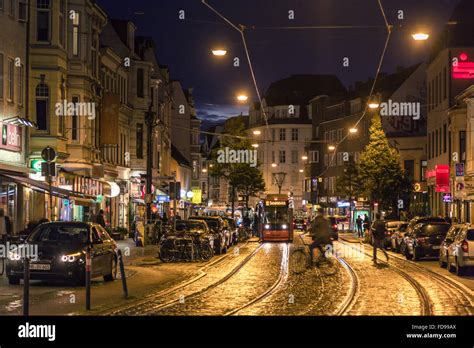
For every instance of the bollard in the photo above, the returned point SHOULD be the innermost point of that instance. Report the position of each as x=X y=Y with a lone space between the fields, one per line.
x=88 y=278
x=26 y=287
x=122 y=274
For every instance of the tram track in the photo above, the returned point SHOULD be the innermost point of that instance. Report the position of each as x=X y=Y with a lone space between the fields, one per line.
x=352 y=295
x=422 y=294
x=274 y=288
x=201 y=273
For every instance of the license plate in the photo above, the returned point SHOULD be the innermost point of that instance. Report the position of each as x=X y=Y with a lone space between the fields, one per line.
x=436 y=247
x=40 y=266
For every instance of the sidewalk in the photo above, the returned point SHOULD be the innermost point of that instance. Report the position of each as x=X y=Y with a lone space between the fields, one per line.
x=350 y=237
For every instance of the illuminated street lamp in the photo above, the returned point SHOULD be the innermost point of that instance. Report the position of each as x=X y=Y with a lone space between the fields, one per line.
x=420 y=36
x=353 y=130
x=242 y=98
x=204 y=170
x=331 y=148
x=219 y=52
x=374 y=105
x=301 y=170
x=255 y=146
x=257 y=132
x=274 y=165
x=304 y=158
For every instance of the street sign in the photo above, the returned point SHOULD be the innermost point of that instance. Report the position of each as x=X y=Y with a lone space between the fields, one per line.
x=48 y=154
x=48 y=169
x=36 y=165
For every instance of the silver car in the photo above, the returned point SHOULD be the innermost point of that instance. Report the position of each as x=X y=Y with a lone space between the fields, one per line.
x=461 y=251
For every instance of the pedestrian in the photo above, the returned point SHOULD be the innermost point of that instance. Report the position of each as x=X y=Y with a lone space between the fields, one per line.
x=366 y=223
x=165 y=218
x=359 y=226
x=100 y=218
x=320 y=234
x=5 y=226
x=378 y=234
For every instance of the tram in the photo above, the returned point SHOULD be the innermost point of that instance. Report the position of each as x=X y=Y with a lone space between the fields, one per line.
x=276 y=219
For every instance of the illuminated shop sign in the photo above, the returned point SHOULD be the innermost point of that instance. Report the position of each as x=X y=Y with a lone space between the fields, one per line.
x=11 y=137
x=462 y=68
x=442 y=178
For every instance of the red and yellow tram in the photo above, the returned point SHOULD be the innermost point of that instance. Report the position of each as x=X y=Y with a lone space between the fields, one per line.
x=276 y=219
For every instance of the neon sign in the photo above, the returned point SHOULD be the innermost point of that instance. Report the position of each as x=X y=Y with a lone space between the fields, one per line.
x=463 y=69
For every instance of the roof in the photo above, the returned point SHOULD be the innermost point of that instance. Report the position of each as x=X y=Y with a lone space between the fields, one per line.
x=300 y=89
x=178 y=157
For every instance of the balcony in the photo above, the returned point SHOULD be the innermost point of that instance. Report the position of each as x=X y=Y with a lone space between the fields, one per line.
x=110 y=154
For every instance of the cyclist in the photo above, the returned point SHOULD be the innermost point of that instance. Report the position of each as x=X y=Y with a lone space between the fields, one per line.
x=320 y=233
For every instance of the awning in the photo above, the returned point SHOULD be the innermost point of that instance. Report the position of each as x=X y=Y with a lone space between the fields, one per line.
x=35 y=185
x=85 y=202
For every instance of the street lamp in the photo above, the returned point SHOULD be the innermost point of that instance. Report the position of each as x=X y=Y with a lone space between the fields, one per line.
x=242 y=98
x=353 y=130
x=331 y=148
x=301 y=170
x=255 y=146
x=421 y=36
x=274 y=165
x=257 y=132
x=304 y=158
x=219 y=52
x=374 y=105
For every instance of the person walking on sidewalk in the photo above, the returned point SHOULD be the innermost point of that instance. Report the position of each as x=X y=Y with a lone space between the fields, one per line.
x=378 y=233
x=366 y=224
x=359 y=226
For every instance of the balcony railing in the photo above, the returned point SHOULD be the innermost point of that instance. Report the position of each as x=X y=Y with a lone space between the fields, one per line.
x=110 y=153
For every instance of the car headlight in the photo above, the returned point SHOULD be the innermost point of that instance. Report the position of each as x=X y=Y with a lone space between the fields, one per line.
x=284 y=226
x=14 y=256
x=70 y=257
x=267 y=227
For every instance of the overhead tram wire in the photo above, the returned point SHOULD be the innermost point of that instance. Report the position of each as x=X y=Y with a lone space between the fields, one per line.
x=387 y=40
x=241 y=30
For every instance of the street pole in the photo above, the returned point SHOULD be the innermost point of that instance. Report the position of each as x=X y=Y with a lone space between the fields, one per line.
x=233 y=201
x=150 y=118
x=174 y=202
x=50 y=182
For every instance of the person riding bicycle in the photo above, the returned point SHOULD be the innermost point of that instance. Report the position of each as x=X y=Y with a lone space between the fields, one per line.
x=320 y=233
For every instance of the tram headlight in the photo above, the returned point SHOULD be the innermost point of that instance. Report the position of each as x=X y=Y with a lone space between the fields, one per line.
x=284 y=226
x=267 y=227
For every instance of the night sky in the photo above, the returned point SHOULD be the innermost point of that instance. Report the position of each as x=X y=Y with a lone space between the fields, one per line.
x=184 y=45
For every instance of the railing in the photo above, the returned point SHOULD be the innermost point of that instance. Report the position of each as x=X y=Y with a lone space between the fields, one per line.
x=109 y=153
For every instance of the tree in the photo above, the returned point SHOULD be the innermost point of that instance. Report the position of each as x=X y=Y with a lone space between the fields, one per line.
x=348 y=184
x=381 y=176
x=243 y=179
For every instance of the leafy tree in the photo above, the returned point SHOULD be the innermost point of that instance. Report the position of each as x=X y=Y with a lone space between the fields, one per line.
x=243 y=179
x=349 y=184
x=381 y=176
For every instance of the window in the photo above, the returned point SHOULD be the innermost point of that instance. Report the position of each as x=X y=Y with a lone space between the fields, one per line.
x=424 y=167
x=340 y=135
x=75 y=121
x=43 y=20
x=23 y=10
x=326 y=160
x=139 y=140
x=273 y=135
x=273 y=156
x=444 y=138
x=410 y=169
x=1 y=5
x=294 y=157
x=462 y=146
x=95 y=58
x=314 y=156
x=1 y=76
x=21 y=92
x=11 y=8
x=282 y=134
x=445 y=82
x=437 y=143
x=282 y=156
x=294 y=134
x=429 y=146
x=11 y=80
x=62 y=22
x=326 y=136
x=76 y=25
x=140 y=81
x=42 y=106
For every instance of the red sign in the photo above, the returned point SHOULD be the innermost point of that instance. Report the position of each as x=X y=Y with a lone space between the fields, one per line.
x=442 y=178
x=11 y=137
x=463 y=69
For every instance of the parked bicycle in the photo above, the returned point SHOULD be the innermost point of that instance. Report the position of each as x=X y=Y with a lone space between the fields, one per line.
x=300 y=260
x=188 y=247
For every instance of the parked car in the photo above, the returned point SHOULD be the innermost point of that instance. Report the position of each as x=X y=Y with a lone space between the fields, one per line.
x=424 y=240
x=299 y=224
x=460 y=254
x=219 y=230
x=447 y=242
x=412 y=223
x=396 y=230
x=333 y=220
x=233 y=229
x=61 y=248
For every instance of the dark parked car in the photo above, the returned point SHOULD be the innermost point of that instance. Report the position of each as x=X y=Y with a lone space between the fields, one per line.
x=424 y=240
x=299 y=224
x=233 y=229
x=219 y=230
x=61 y=248
x=446 y=244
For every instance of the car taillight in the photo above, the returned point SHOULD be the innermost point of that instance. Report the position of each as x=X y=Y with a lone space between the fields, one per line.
x=465 y=246
x=334 y=226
